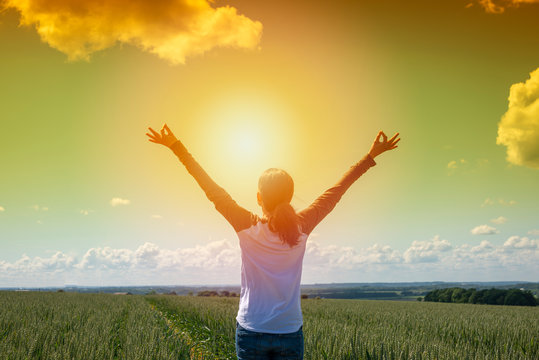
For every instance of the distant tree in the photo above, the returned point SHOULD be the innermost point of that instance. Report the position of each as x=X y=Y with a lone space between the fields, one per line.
x=151 y=292
x=520 y=298
x=461 y=295
x=432 y=296
x=304 y=296
x=487 y=296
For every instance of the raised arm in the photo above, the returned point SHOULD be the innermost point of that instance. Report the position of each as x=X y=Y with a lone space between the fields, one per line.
x=237 y=216
x=317 y=211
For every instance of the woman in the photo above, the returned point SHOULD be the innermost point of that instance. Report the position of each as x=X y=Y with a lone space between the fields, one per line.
x=269 y=322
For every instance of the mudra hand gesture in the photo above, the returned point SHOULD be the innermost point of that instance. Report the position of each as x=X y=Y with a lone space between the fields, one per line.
x=164 y=137
x=379 y=147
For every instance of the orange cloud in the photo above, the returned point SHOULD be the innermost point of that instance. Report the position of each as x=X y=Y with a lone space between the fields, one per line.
x=499 y=6
x=171 y=29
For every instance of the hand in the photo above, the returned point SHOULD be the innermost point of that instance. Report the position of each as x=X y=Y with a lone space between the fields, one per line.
x=379 y=147
x=165 y=137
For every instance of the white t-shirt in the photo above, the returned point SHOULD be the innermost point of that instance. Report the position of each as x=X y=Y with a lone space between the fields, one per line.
x=270 y=281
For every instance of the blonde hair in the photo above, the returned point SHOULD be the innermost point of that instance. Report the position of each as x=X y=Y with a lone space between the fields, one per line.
x=276 y=189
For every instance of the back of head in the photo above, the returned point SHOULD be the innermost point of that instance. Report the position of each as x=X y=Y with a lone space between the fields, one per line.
x=276 y=189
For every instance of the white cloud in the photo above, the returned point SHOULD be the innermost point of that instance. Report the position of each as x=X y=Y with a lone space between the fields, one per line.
x=119 y=201
x=534 y=232
x=57 y=262
x=517 y=242
x=499 y=220
x=155 y=216
x=518 y=129
x=106 y=258
x=484 y=246
x=484 y=230
x=85 y=212
x=219 y=262
x=426 y=251
x=2 y=209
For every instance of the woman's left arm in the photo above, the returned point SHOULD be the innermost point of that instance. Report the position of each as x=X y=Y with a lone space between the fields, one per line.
x=237 y=216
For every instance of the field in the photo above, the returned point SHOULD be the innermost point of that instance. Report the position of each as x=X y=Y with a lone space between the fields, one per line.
x=101 y=326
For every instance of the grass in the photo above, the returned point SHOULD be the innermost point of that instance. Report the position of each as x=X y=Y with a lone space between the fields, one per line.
x=100 y=326
x=84 y=326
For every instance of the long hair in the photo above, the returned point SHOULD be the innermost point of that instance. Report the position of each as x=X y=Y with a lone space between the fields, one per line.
x=276 y=189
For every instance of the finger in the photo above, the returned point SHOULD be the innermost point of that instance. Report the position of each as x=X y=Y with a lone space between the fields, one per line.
x=378 y=136
x=394 y=136
x=150 y=135
x=395 y=142
x=393 y=147
x=163 y=132
x=155 y=133
x=157 y=142
x=167 y=129
x=384 y=136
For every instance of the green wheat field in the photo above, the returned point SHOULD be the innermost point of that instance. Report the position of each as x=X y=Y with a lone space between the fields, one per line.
x=37 y=325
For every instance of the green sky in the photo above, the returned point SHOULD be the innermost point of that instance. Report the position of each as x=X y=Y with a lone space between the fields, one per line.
x=324 y=78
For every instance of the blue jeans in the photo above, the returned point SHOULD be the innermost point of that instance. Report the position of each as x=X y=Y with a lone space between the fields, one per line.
x=252 y=345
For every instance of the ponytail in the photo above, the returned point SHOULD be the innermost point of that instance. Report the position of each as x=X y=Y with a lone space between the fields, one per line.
x=285 y=222
x=276 y=189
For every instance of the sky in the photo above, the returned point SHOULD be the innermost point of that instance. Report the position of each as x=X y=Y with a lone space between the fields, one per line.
x=85 y=199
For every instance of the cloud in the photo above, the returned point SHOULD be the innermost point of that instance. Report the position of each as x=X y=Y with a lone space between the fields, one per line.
x=503 y=202
x=465 y=166
x=499 y=220
x=39 y=208
x=534 y=232
x=484 y=230
x=155 y=216
x=517 y=242
x=219 y=262
x=170 y=29
x=57 y=262
x=119 y=201
x=454 y=164
x=426 y=251
x=499 y=6
x=518 y=129
x=2 y=209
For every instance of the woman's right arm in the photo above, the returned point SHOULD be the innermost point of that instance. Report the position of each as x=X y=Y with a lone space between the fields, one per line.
x=237 y=216
x=325 y=203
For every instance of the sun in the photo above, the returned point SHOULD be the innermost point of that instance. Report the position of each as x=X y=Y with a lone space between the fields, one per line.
x=246 y=142
x=248 y=129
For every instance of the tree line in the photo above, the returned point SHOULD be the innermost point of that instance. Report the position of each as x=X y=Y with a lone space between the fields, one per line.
x=488 y=296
